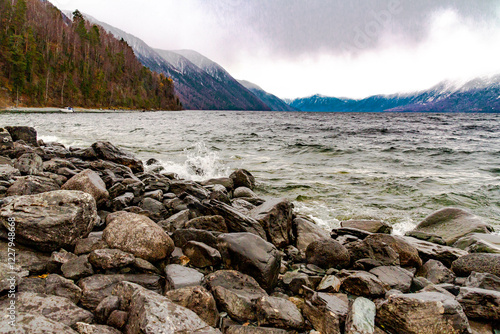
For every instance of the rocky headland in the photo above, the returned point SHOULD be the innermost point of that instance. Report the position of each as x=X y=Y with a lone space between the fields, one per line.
x=92 y=240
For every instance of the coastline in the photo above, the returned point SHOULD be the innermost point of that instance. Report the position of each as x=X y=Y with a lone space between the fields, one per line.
x=58 y=110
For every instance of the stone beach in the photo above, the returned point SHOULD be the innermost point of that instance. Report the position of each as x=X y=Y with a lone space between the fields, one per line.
x=105 y=243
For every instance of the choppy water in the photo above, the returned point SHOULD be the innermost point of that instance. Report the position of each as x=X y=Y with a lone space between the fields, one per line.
x=334 y=166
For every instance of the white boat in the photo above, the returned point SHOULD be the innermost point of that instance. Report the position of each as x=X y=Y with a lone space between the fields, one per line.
x=67 y=109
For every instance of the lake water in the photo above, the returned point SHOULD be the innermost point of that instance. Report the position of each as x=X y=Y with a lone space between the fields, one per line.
x=334 y=166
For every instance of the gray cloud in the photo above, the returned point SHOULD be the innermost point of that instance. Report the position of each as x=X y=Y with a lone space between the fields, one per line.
x=298 y=27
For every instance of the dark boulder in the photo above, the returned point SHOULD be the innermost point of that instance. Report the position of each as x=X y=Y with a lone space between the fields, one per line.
x=307 y=232
x=198 y=300
x=275 y=216
x=208 y=223
x=372 y=226
x=242 y=178
x=107 y=151
x=478 y=262
x=89 y=182
x=25 y=133
x=480 y=304
x=328 y=253
x=436 y=272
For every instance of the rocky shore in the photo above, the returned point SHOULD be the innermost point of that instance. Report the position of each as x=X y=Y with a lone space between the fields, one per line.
x=106 y=244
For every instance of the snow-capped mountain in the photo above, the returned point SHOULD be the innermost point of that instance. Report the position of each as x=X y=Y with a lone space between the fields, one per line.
x=478 y=95
x=208 y=87
x=271 y=100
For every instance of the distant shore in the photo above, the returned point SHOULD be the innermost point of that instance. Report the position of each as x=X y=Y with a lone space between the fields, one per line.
x=58 y=110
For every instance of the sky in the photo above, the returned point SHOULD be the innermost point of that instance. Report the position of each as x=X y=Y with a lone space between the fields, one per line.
x=297 y=48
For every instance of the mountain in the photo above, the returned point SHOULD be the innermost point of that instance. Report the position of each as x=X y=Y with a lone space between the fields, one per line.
x=208 y=87
x=46 y=59
x=478 y=95
x=274 y=102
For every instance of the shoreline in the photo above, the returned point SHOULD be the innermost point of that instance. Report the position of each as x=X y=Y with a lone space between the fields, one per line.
x=50 y=110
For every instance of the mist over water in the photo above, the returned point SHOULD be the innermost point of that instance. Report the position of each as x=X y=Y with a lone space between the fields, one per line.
x=334 y=166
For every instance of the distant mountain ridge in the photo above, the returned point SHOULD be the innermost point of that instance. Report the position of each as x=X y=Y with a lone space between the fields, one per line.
x=275 y=103
x=200 y=83
x=478 y=95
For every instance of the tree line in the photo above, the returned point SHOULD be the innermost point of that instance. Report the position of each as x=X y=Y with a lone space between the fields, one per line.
x=47 y=59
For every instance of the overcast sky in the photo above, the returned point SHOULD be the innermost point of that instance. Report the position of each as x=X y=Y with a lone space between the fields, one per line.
x=343 y=48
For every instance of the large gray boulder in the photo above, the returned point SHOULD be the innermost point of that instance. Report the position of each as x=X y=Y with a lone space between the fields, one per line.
x=251 y=255
x=452 y=223
x=422 y=313
x=242 y=178
x=275 y=216
x=26 y=133
x=138 y=235
x=52 y=220
x=479 y=243
x=436 y=272
x=90 y=182
x=361 y=283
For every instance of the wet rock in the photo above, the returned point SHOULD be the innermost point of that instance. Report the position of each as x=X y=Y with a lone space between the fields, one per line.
x=138 y=235
x=36 y=323
x=430 y=237
x=307 y=232
x=208 y=223
x=201 y=255
x=296 y=281
x=242 y=178
x=326 y=312
x=436 y=272
x=408 y=255
x=153 y=313
x=479 y=243
x=97 y=287
x=243 y=192
x=29 y=164
x=180 y=187
x=25 y=133
x=480 y=303
x=52 y=220
x=427 y=312
x=155 y=208
x=110 y=258
x=31 y=185
x=84 y=328
x=360 y=283
x=351 y=232
x=419 y=283
x=89 y=182
x=59 y=286
x=223 y=181
x=251 y=255
x=178 y=276
x=198 y=300
x=478 y=262
x=183 y=236
x=235 y=293
x=219 y=193
x=430 y=251
x=77 y=268
x=242 y=206
x=141 y=265
x=155 y=194
x=276 y=217
x=328 y=253
x=452 y=223
x=394 y=277
x=107 y=151
x=372 y=226
x=361 y=317
x=121 y=202
x=373 y=253
x=483 y=281
x=53 y=165
x=56 y=308
x=278 y=312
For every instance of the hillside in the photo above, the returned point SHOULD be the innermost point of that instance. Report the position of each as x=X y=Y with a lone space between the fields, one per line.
x=274 y=102
x=48 y=60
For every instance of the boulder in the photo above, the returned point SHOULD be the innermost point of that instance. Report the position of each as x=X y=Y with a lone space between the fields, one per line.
x=107 y=151
x=122 y=201
x=394 y=277
x=219 y=193
x=297 y=282
x=105 y=307
x=224 y=181
x=361 y=317
x=97 y=287
x=110 y=258
x=178 y=276
x=25 y=133
x=278 y=312
x=478 y=262
x=326 y=312
x=201 y=255
x=175 y=222
x=372 y=226
x=29 y=164
x=307 y=232
x=208 y=223
x=479 y=243
x=483 y=281
x=235 y=293
x=328 y=253
x=408 y=255
x=56 y=308
x=329 y=283
x=183 y=236
x=251 y=255
x=422 y=313
x=31 y=185
x=59 y=286
x=149 y=312
x=8 y=173
x=51 y=220
x=34 y=323
x=198 y=300
x=87 y=245
x=242 y=178
x=436 y=272
x=77 y=268
x=361 y=283
x=374 y=252
x=243 y=192
x=89 y=182
x=480 y=304
x=275 y=216
x=26 y=258
x=155 y=209
x=431 y=251
x=452 y=223
x=138 y=235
